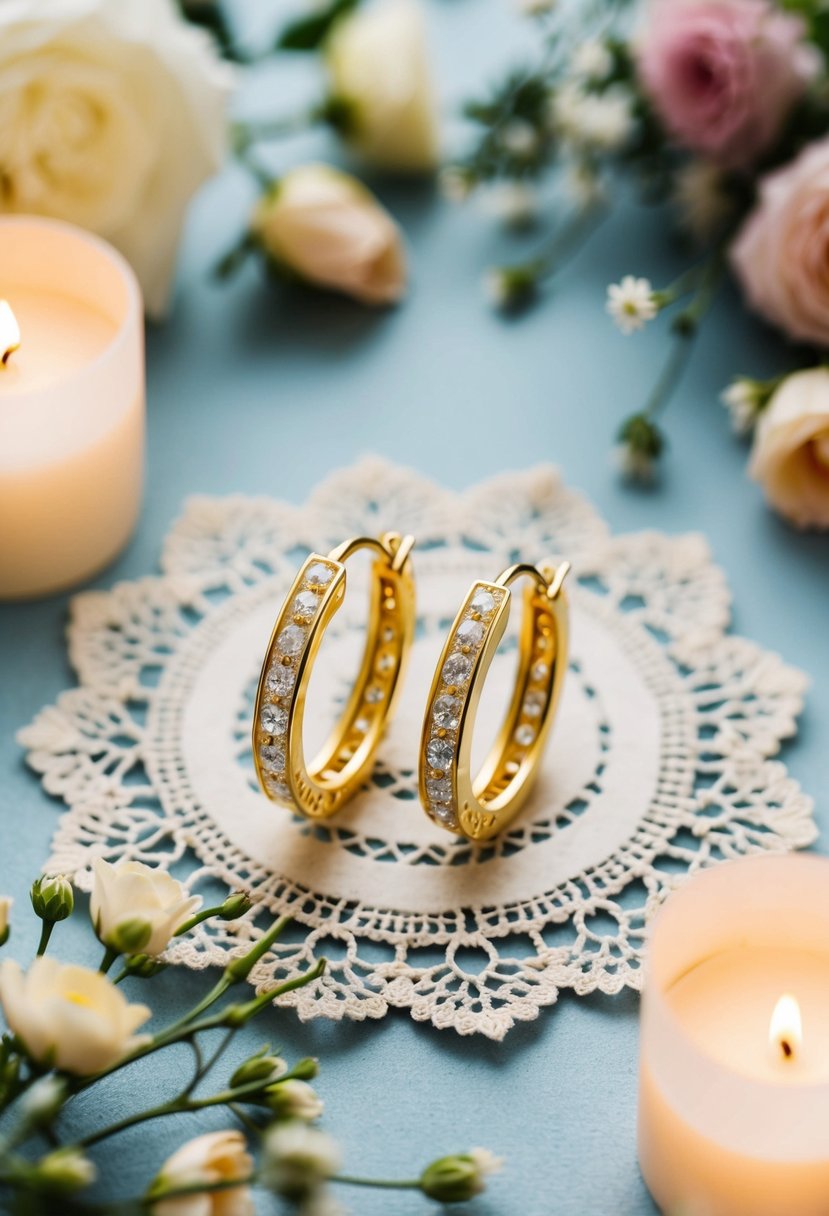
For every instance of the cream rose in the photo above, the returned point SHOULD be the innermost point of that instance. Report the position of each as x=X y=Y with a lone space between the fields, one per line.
x=5 y=908
x=379 y=69
x=111 y=115
x=69 y=1017
x=781 y=252
x=329 y=229
x=214 y=1158
x=137 y=909
x=790 y=456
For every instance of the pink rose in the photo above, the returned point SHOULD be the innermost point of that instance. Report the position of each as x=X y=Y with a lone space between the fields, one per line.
x=723 y=74
x=782 y=251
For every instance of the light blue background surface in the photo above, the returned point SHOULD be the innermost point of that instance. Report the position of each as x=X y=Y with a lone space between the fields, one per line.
x=256 y=391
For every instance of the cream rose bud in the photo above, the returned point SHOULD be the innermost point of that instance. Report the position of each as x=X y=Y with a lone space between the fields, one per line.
x=790 y=455
x=210 y=1160
x=69 y=1017
x=137 y=909
x=112 y=113
x=5 y=908
x=379 y=71
x=330 y=230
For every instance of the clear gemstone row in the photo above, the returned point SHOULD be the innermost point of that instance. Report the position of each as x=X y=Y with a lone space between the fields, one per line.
x=446 y=709
x=281 y=677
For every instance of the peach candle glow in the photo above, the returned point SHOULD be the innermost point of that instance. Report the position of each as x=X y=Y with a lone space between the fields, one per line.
x=734 y=1064
x=71 y=405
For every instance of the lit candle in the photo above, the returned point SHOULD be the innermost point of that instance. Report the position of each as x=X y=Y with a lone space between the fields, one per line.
x=71 y=405
x=734 y=1067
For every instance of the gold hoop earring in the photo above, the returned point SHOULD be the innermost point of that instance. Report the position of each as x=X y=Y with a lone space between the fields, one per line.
x=320 y=788
x=480 y=808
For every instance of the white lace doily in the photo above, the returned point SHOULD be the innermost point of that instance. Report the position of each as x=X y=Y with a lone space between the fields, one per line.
x=659 y=762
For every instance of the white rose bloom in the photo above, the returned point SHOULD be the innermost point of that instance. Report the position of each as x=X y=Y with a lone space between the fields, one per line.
x=130 y=894
x=329 y=229
x=111 y=116
x=379 y=68
x=207 y=1160
x=790 y=455
x=69 y=1017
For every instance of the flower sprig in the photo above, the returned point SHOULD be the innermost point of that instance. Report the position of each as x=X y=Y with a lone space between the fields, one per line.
x=69 y=1027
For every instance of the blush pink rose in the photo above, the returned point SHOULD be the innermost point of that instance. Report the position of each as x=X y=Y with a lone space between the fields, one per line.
x=781 y=253
x=723 y=74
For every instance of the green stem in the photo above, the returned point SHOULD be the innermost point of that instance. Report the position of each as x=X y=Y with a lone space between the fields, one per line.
x=686 y=328
x=387 y=1184
x=568 y=240
x=45 y=934
x=244 y=1118
x=198 y=919
x=110 y=955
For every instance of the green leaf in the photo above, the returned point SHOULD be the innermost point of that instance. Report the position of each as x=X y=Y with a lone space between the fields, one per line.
x=309 y=33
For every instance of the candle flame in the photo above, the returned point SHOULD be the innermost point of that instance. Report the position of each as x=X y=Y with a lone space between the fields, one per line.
x=786 y=1028
x=9 y=332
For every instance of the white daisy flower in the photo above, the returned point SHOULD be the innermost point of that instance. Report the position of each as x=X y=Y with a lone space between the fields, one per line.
x=631 y=303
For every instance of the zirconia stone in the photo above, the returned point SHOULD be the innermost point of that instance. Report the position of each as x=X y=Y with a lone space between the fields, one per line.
x=272 y=758
x=274 y=720
x=374 y=695
x=524 y=735
x=291 y=640
x=446 y=712
x=533 y=704
x=280 y=680
x=279 y=789
x=439 y=789
x=445 y=815
x=470 y=633
x=483 y=602
x=388 y=634
x=456 y=669
x=540 y=672
x=440 y=753
x=362 y=725
x=385 y=663
x=305 y=605
x=318 y=575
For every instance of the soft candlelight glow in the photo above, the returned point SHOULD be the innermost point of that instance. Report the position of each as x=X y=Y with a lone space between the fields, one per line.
x=786 y=1028
x=9 y=332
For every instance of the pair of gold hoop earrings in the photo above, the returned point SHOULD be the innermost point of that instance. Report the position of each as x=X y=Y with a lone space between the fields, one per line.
x=476 y=808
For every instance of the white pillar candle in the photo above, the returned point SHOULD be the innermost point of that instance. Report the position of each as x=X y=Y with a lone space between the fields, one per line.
x=71 y=406
x=734 y=1080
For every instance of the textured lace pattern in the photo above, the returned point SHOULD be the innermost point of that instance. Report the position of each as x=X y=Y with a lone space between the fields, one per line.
x=660 y=762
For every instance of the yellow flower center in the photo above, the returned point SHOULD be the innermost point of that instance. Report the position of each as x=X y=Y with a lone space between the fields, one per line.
x=80 y=998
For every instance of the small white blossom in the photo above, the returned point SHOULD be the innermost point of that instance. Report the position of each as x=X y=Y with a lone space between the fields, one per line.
x=633 y=464
x=515 y=203
x=486 y=1161
x=741 y=399
x=701 y=198
x=455 y=185
x=604 y=121
x=293 y=1099
x=592 y=61
x=298 y=1158
x=519 y=138
x=631 y=303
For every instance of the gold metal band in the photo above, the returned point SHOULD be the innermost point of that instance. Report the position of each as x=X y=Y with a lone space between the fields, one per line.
x=320 y=788
x=481 y=807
